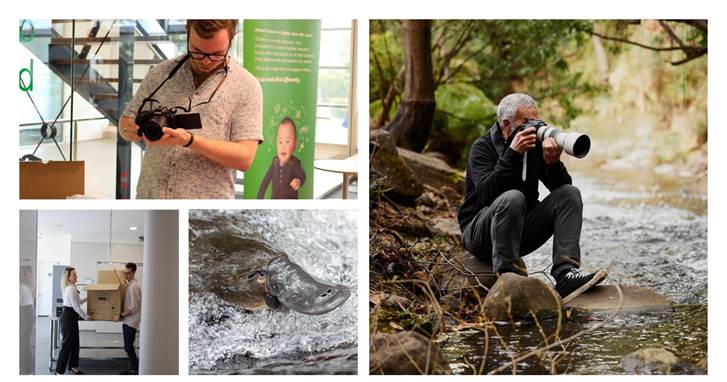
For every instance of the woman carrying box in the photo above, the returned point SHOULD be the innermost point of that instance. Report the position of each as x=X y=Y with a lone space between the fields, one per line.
x=72 y=312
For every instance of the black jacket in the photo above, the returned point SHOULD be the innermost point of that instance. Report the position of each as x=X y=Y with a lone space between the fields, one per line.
x=493 y=168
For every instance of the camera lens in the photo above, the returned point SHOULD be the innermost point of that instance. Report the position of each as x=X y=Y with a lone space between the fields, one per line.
x=152 y=129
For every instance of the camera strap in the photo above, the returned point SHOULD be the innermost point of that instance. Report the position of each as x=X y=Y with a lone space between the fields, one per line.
x=169 y=77
x=219 y=85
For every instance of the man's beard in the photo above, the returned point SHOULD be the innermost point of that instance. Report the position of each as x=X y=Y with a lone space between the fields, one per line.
x=200 y=76
x=198 y=72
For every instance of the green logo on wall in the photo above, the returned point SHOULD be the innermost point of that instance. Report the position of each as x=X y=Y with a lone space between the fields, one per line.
x=21 y=84
x=31 y=36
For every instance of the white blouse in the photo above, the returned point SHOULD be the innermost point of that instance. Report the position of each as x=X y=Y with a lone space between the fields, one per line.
x=72 y=299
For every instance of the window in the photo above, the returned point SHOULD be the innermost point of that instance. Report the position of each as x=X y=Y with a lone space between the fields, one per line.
x=334 y=86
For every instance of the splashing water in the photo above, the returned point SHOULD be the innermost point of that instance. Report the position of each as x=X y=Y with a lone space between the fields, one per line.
x=323 y=242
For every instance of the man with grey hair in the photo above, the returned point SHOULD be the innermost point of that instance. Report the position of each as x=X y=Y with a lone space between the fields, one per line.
x=502 y=219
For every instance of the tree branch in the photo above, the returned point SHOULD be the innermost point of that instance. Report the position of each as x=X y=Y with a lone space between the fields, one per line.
x=691 y=52
x=635 y=43
x=699 y=24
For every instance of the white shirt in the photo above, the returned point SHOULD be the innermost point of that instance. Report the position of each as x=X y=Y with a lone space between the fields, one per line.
x=72 y=299
x=132 y=302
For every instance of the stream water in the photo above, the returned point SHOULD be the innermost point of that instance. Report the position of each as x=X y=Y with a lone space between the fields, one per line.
x=653 y=236
x=224 y=339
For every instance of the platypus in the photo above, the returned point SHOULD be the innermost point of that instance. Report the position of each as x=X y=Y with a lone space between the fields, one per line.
x=239 y=266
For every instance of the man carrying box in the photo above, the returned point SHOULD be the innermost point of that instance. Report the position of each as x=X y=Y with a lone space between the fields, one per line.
x=131 y=317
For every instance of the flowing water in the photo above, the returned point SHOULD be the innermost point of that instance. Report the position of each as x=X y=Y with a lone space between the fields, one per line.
x=653 y=236
x=224 y=339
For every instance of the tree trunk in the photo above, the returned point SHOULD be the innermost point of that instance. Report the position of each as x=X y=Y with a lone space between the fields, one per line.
x=410 y=127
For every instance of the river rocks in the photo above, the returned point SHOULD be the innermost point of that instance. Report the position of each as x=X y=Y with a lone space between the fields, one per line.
x=635 y=300
x=649 y=361
x=460 y=274
x=519 y=297
x=400 y=181
x=433 y=171
x=444 y=226
x=388 y=300
x=405 y=353
x=702 y=364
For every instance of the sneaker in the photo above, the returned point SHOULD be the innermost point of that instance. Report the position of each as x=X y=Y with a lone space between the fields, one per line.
x=75 y=371
x=574 y=280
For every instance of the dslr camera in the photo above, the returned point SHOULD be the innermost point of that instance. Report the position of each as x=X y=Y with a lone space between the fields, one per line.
x=150 y=122
x=575 y=144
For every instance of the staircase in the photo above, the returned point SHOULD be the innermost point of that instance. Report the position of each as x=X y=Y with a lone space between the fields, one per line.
x=105 y=58
x=104 y=61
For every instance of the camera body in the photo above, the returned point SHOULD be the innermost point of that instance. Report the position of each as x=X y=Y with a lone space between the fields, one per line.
x=575 y=144
x=151 y=122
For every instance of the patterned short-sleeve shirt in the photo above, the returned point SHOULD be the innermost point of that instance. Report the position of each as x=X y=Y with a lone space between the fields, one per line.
x=234 y=114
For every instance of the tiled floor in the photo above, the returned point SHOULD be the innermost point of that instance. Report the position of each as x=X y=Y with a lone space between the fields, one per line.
x=100 y=361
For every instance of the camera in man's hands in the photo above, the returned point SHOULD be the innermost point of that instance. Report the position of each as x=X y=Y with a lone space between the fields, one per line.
x=151 y=122
x=575 y=144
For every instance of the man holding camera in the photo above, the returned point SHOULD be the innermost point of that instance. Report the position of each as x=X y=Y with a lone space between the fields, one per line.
x=502 y=219
x=202 y=164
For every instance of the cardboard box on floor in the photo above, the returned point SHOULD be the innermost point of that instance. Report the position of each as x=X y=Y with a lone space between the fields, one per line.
x=106 y=297
x=51 y=180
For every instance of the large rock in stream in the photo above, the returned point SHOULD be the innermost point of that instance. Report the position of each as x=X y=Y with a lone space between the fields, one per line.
x=405 y=353
x=515 y=297
x=635 y=300
x=649 y=361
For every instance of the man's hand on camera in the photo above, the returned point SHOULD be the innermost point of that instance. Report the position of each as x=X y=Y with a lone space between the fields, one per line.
x=129 y=132
x=171 y=137
x=551 y=151
x=524 y=140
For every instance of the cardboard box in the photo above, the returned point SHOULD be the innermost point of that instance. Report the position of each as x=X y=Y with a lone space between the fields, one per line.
x=51 y=180
x=106 y=297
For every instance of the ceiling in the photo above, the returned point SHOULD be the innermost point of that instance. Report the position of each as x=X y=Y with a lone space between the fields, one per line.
x=92 y=225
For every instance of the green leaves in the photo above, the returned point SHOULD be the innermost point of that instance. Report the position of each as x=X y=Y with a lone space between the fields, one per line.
x=463 y=113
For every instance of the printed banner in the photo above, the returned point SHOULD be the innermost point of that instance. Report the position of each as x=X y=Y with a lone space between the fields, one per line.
x=283 y=55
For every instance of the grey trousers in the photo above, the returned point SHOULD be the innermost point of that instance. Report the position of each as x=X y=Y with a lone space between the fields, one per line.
x=504 y=231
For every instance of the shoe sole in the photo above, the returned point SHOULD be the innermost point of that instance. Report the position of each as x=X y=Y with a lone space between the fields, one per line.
x=597 y=278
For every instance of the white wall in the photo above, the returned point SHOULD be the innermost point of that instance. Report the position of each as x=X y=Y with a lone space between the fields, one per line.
x=85 y=255
x=28 y=258
x=53 y=249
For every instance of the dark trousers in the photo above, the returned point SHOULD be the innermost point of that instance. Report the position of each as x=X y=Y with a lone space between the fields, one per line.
x=504 y=231
x=70 y=343
x=129 y=338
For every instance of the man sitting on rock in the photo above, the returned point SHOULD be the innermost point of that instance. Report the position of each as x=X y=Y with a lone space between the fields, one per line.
x=502 y=219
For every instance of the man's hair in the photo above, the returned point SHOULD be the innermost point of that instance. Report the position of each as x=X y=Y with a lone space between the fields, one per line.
x=507 y=109
x=131 y=266
x=289 y=121
x=208 y=28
